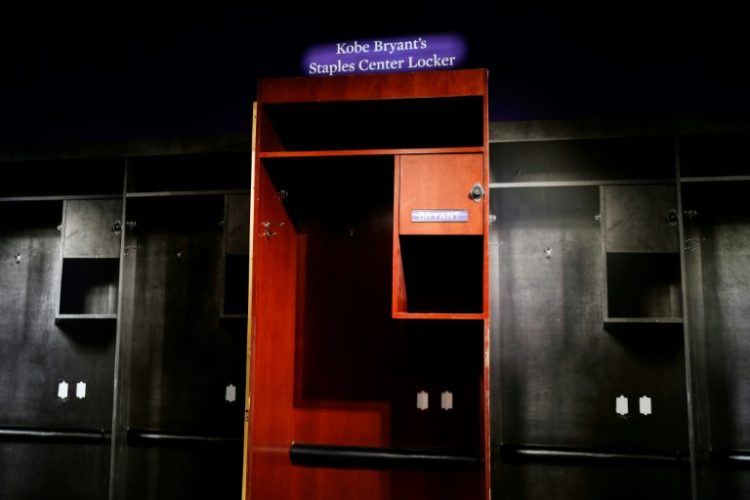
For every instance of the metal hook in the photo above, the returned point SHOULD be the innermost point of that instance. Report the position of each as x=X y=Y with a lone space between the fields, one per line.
x=692 y=244
x=267 y=232
x=128 y=248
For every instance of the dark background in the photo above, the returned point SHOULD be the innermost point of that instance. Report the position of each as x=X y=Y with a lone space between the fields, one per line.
x=75 y=74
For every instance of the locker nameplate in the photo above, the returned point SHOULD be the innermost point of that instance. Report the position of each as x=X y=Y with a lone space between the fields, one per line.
x=440 y=216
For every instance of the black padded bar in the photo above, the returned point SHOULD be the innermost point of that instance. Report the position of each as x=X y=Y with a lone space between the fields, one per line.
x=735 y=458
x=562 y=455
x=53 y=435
x=356 y=457
x=141 y=437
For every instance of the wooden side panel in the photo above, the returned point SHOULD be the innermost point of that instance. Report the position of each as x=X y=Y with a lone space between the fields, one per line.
x=440 y=182
x=269 y=140
x=272 y=362
x=399 y=303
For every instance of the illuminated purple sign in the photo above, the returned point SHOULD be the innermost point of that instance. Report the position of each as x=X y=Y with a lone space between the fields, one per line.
x=417 y=53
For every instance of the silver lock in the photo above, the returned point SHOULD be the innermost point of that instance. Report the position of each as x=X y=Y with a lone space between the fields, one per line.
x=477 y=193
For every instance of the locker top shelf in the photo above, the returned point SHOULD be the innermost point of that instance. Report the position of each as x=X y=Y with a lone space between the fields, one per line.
x=428 y=84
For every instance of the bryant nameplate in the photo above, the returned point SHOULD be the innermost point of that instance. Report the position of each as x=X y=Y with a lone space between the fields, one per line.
x=440 y=216
x=386 y=55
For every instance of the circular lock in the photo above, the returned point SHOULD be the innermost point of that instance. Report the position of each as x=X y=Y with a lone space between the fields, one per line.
x=672 y=218
x=477 y=193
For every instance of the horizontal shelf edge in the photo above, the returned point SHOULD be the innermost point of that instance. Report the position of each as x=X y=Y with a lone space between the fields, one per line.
x=660 y=320
x=62 y=197
x=233 y=316
x=134 y=194
x=581 y=183
x=61 y=318
x=358 y=457
x=369 y=152
x=195 y=192
x=89 y=257
x=727 y=178
x=645 y=252
x=455 y=316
